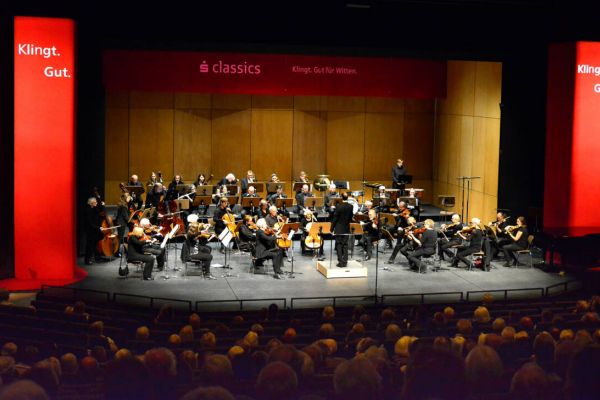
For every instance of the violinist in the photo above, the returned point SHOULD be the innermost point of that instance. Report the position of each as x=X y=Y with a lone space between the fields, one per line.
x=450 y=238
x=263 y=209
x=93 y=229
x=474 y=246
x=150 y=230
x=501 y=237
x=371 y=234
x=404 y=244
x=247 y=181
x=137 y=199
x=247 y=234
x=301 y=197
x=329 y=195
x=426 y=247
x=519 y=236
x=266 y=248
x=401 y=216
x=365 y=208
x=172 y=192
x=141 y=248
x=196 y=248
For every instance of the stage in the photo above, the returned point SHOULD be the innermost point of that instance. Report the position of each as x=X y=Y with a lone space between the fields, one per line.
x=308 y=282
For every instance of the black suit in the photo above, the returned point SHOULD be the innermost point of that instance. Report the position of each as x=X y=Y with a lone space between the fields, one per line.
x=218 y=219
x=300 y=198
x=475 y=245
x=246 y=184
x=266 y=249
x=92 y=231
x=247 y=239
x=196 y=252
x=137 y=199
x=340 y=225
x=398 y=174
x=136 y=250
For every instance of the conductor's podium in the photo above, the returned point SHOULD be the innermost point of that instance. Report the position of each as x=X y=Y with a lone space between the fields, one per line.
x=353 y=269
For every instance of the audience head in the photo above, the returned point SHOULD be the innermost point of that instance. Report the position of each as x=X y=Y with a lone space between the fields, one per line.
x=543 y=350
x=481 y=315
x=161 y=363
x=9 y=349
x=142 y=333
x=582 y=377
x=393 y=333
x=195 y=321
x=208 y=393
x=328 y=313
x=187 y=334
x=326 y=330
x=357 y=379
x=483 y=369
x=208 y=340
x=217 y=370
x=464 y=327
x=23 y=389
x=126 y=378
x=498 y=325
x=529 y=383
x=277 y=381
x=449 y=312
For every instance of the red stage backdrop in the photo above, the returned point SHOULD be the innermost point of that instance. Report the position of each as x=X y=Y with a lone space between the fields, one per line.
x=273 y=74
x=572 y=186
x=44 y=149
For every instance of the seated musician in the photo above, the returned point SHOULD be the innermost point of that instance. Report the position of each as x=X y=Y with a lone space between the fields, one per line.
x=331 y=194
x=274 y=178
x=450 y=238
x=247 y=234
x=303 y=177
x=201 y=180
x=141 y=248
x=150 y=230
x=474 y=246
x=425 y=247
x=500 y=238
x=266 y=248
x=520 y=241
x=301 y=197
x=383 y=206
x=365 y=208
x=153 y=180
x=263 y=209
x=196 y=247
x=155 y=195
x=272 y=198
x=416 y=209
x=220 y=193
x=272 y=218
x=305 y=224
x=371 y=234
x=137 y=199
x=229 y=179
x=247 y=181
x=172 y=192
x=251 y=193
x=405 y=243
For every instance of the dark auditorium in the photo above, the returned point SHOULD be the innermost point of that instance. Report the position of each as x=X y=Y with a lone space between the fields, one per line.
x=300 y=200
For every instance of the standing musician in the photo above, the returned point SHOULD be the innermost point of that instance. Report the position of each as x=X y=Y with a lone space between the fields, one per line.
x=172 y=192
x=330 y=194
x=398 y=175
x=450 y=237
x=247 y=181
x=196 y=247
x=247 y=235
x=305 y=225
x=474 y=246
x=220 y=212
x=142 y=248
x=520 y=241
x=137 y=199
x=263 y=209
x=426 y=247
x=123 y=213
x=371 y=234
x=301 y=197
x=266 y=248
x=93 y=229
x=340 y=226
x=404 y=244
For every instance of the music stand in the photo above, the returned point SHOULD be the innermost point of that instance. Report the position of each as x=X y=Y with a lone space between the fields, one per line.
x=313 y=202
x=284 y=203
x=225 y=237
x=251 y=202
x=298 y=186
x=334 y=201
x=183 y=204
x=410 y=201
x=361 y=217
x=182 y=188
x=148 y=212
x=232 y=200
x=272 y=187
x=290 y=229
x=381 y=201
x=393 y=193
x=259 y=187
x=202 y=200
x=355 y=229
x=232 y=190
x=389 y=219
x=204 y=190
x=136 y=190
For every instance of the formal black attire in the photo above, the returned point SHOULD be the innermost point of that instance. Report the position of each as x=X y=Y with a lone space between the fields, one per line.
x=371 y=234
x=224 y=181
x=266 y=249
x=330 y=209
x=501 y=240
x=153 y=198
x=218 y=219
x=271 y=221
x=475 y=245
x=272 y=199
x=398 y=174
x=245 y=184
x=403 y=245
x=428 y=243
x=247 y=239
x=93 y=234
x=122 y=219
x=260 y=213
x=252 y=210
x=300 y=199
x=521 y=244
x=453 y=240
x=196 y=251
x=136 y=250
x=340 y=225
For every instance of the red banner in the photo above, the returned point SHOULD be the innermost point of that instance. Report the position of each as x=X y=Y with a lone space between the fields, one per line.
x=273 y=74
x=44 y=149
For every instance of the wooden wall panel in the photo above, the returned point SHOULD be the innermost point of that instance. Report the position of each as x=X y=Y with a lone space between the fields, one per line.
x=460 y=92
x=418 y=145
x=112 y=191
x=271 y=143
x=490 y=208
x=116 y=100
x=492 y=155
x=336 y=103
x=309 y=151
x=192 y=143
x=478 y=154
x=453 y=148
x=384 y=104
x=151 y=100
x=419 y=106
x=116 y=139
x=193 y=100
x=230 y=142
x=345 y=145
x=307 y=103
x=273 y=102
x=465 y=155
x=384 y=138
x=488 y=89
x=151 y=142
x=442 y=145
x=231 y=101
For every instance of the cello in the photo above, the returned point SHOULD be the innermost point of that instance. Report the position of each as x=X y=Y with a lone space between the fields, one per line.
x=312 y=241
x=283 y=241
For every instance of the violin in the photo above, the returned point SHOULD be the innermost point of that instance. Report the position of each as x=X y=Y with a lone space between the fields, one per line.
x=511 y=228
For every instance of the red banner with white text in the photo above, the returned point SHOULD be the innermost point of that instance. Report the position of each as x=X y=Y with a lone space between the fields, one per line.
x=273 y=74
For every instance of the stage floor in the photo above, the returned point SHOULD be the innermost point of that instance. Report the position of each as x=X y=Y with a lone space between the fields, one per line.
x=308 y=282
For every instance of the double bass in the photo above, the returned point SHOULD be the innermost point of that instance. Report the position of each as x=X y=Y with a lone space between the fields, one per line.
x=109 y=244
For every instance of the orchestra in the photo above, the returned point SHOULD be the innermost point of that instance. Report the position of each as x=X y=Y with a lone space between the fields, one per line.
x=256 y=228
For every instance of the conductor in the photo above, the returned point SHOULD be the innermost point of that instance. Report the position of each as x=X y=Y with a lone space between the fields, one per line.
x=340 y=225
